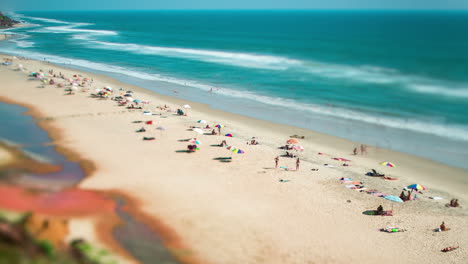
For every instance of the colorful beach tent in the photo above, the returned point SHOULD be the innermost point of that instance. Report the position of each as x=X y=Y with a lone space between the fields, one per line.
x=202 y=121
x=228 y=135
x=389 y=164
x=393 y=198
x=417 y=187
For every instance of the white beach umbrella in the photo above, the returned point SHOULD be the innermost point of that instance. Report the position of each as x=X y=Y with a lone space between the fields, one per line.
x=186 y=106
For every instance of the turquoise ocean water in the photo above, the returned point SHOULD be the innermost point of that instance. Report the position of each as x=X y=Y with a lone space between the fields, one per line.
x=397 y=80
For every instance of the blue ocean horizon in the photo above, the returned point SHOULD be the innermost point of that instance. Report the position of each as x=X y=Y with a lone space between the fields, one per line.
x=393 y=79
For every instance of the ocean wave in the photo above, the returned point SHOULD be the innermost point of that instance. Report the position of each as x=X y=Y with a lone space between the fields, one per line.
x=47 y=20
x=248 y=60
x=21 y=42
x=73 y=29
x=380 y=76
x=459 y=132
x=440 y=90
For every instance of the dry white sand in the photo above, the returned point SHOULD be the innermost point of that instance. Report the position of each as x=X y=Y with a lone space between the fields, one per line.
x=239 y=212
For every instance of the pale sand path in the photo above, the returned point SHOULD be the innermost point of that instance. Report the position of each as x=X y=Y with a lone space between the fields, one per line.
x=239 y=212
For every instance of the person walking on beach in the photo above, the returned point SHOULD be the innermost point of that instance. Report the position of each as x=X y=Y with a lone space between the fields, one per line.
x=276 y=162
x=297 y=164
x=363 y=149
x=355 y=151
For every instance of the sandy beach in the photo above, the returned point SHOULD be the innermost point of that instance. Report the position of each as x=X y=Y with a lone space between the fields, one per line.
x=245 y=211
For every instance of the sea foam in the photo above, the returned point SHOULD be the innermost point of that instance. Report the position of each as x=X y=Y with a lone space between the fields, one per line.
x=451 y=131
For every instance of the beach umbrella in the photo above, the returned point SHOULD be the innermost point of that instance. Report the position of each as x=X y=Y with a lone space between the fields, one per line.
x=198 y=142
x=219 y=126
x=389 y=164
x=417 y=187
x=128 y=95
x=202 y=121
x=129 y=91
x=230 y=147
x=137 y=101
x=129 y=99
x=161 y=128
x=198 y=130
x=393 y=198
x=238 y=151
x=186 y=106
x=228 y=135
x=292 y=141
x=298 y=147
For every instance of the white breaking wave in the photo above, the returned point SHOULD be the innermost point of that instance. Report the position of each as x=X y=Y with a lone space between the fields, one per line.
x=359 y=73
x=214 y=56
x=21 y=42
x=458 y=132
x=440 y=90
x=48 y=20
x=73 y=29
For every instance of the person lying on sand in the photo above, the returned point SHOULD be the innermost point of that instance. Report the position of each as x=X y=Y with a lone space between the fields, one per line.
x=296 y=136
x=223 y=143
x=447 y=249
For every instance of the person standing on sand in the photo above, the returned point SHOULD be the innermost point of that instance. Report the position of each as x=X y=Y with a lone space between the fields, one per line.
x=297 y=164
x=276 y=162
x=355 y=151
x=363 y=149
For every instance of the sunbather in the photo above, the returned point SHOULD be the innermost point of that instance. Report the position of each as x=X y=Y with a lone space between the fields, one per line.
x=379 y=210
x=443 y=227
x=447 y=249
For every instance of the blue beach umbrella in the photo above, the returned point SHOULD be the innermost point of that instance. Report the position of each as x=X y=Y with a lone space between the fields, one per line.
x=393 y=198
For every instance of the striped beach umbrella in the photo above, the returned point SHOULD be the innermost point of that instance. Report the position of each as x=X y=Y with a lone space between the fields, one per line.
x=219 y=126
x=228 y=135
x=292 y=141
x=417 y=187
x=388 y=164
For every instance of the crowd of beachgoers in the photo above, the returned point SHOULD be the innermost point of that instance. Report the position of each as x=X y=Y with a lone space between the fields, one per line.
x=376 y=182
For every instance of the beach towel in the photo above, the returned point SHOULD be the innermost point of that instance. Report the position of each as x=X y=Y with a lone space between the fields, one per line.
x=346 y=179
x=330 y=166
x=390 y=179
x=379 y=194
x=341 y=159
x=350 y=182
x=436 y=198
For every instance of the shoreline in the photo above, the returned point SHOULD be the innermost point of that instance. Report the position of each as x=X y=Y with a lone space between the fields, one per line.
x=241 y=125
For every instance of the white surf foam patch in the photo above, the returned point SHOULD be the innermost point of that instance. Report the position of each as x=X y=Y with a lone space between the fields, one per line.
x=47 y=20
x=21 y=42
x=380 y=76
x=459 y=92
x=248 y=60
x=451 y=131
x=74 y=29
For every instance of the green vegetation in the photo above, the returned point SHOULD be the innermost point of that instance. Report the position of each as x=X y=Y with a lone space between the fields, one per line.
x=6 y=22
x=17 y=245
